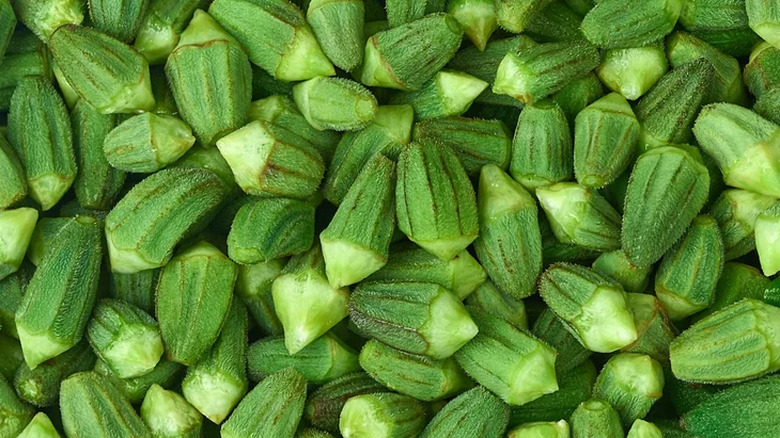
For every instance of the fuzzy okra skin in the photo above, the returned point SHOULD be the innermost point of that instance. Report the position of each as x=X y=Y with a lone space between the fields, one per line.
x=488 y=298
x=168 y=415
x=596 y=418
x=167 y=374
x=431 y=178
x=324 y=405
x=761 y=72
x=618 y=267
x=618 y=24
x=56 y=306
x=276 y=36
x=554 y=331
x=215 y=384
x=382 y=415
x=661 y=177
x=137 y=289
x=7 y=25
x=272 y=409
x=122 y=85
x=92 y=406
x=156 y=214
x=510 y=244
x=12 y=288
x=13 y=187
x=15 y=413
x=764 y=19
x=448 y=93
x=633 y=71
x=338 y=26
x=654 y=330
x=43 y=17
x=253 y=287
x=556 y=22
x=159 y=31
x=476 y=412
x=514 y=16
x=407 y=56
x=542 y=146
x=335 y=103
x=193 y=296
x=736 y=212
x=40 y=133
x=419 y=318
x=120 y=19
x=722 y=23
x=631 y=383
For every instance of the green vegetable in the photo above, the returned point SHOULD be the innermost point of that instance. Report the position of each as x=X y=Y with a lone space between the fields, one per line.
x=162 y=26
x=382 y=415
x=16 y=227
x=478 y=18
x=39 y=427
x=325 y=404
x=618 y=24
x=488 y=298
x=476 y=412
x=335 y=103
x=338 y=26
x=633 y=71
x=15 y=413
x=43 y=17
x=631 y=383
x=41 y=386
x=448 y=93
x=596 y=417
x=167 y=414
x=119 y=19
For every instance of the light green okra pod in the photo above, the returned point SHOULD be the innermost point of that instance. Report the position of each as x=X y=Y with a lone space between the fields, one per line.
x=338 y=26
x=476 y=412
x=596 y=418
x=39 y=427
x=43 y=17
x=253 y=286
x=161 y=28
x=335 y=103
x=448 y=93
x=118 y=18
x=631 y=383
x=382 y=415
x=168 y=415
x=478 y=18
x=167 y=374
x=633 y=71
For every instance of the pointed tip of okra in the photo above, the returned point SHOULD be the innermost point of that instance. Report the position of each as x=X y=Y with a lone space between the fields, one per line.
x=202 y=29
x=166 y=413
x=467 y=274
x=477 y=19
x=38 y=347
x=47 y=190
x=126 y=260
x=452 y=327
x=40 y=427
x=213 y=395
x=541 y=429
x=347 y=263
x=303 y=59
x=445 y=249
x=360 y=417
x=534 y=376
x=458 y=90
x=374 y=72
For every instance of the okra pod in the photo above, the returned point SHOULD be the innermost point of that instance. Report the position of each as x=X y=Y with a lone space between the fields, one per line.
x=7 y=25
x=617 y=24
x=654 y=330
x=488 y=298
x=644 y=429
x=542 y=146
x=168 y=415
x=338 y=26
x=764 y=19
x=382 y=415
x=633 y=71
x=555 y=23
x=167 y=374
x=448 y=93
x=766 y=233
x=39 y=427
x=325 y=404
x=138 y=289
x=618 y=267
x=41 y=386
x=736 y=212
x=14 y=186
x=161 y=28
x=578 y=94
x=120 y=19
x=552 y=330
x=478 y=18
x=476 y=412
x=596 y=417
x=12 y=288
x=631 y=383
x=547 y=429
x=147 y=142
x=335 y=103
x=722 y=23
x=16 y=227
x=43 y=17
x=253 y=286
x=15 y=413
x=760 y=73
x=514 y=16
x=737 y=281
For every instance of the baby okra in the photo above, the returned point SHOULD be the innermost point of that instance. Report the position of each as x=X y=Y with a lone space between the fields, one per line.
x=39 y=427
x=382 y=415
x=596 y=417
x=168 y=415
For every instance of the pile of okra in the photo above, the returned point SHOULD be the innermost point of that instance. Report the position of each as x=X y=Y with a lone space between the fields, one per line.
x=389 y=218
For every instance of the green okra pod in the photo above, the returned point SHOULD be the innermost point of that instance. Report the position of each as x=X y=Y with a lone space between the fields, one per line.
x=97 y=185
x=488 y=298
x=668 y=110
x=268 y=160
x=552 y=330
x=12 y=351
x=216 y=384
x=579 y=296
x=448 y=93
x=16 y=227
x=542 y=147
x=305 y=302
x=661 y=177
x=510 y=244
x=312 y=433
x=767 y=231
x=324 y=405
x=722 y=23
x=736 y=212
x=605 y=138
x=509 y=361
x=121 y=85
x=56 y=306
x=476 y=142
x=476 y=412
x=156 y=214
x=39 y=427
x=382 y=415
x=618 y=24
x=547 y=429
x=534 y=73
x=138 y=289
x=618 y=267
x=356 y=242
x=408 y=262
x=419 y=318
x=400 y=12
x=92 y=406
x=407 y=56
x=633 y=71
x=596 y=417
x=431 y=178
x=733 y=344
x=40 y=133
x=15 y=413
x=210 y=78
x=686 y=279
x=125 y=337
x=416 y=376
x=147 y=142
x=644 y=429
x=335 y=103
x=654 y=330
x=768 y=105
x=41 y=386
x=555 y=23
x=741 y=142
x=26 y=55
x=580 y=215
x=272 y=409
x=7 y=25
x=764 y=19
x=631 y=383
x=737 y=281
x=13 y=187
x=167 y=374
x=41 y=242
x=578 y=94
x=43 y=17
x=168 y=415
x=12 y=288
x=120 y=19
x=276 y=36
x=193 y=296
x=514 y=16
x=478 y=18
x=325 y=359
x=338 y=26
x=270 y=228
x=253 y=286
x=761 y=75
x=160 y=29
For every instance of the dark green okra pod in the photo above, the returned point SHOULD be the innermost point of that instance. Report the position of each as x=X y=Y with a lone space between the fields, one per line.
x=764 y=19
x=736 y=212
x=382 y=415
x=324 y=405
x=514 y=16
x=448 y=93
x=13 y=187
x=618 y=267
x=15 y=413
x=596 y=418
x=161 y=28
x=43 y=17
x=120 y=19
x=335 y=103
x=476 y=412
x=338 y=26
x=253 y=286
x=620 y=24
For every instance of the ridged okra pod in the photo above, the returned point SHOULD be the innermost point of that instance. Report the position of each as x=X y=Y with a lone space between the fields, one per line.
x=413 y=375
x=722 y=23
x=39 y=427
x=654 y=330
x=161 y=28
x=325 y=359
x=736 y=212
x=419 y=318
x=476 y=142
x=764 y=19
x=210 y=79
x=92 y=406
x=644 y=429
x=147 y=142
x=268 y=160
x=59 y=298
x=13 y=187
x=16 y=227
x=272 y=409
x=253 y=287
x=476 y=412
x=97 y=183
x=338 y=26
x=478 y=18
x=633 y=71
x=596 y=418
x=509 y=361
x=125 y=338
x=105 y=72
x=408 y=262
x=618 y=267
x=531 y=74
x=761 y=75
x=7 y=25
x=686 y=279
x=579 y=296
x=12 y=351
x=578 y=94
x=742 y=143
x=305 y=302
x=514 y=16
x=605 y=138
x=382 y=415
x=448 y=93
x=167 y=374
x=555 y=23
x=216 y=383
x=138 y=289
x=40 y=133
x=43 y=17
x=324 y=405
x=737 y=281
x=661 y=177
x=618 y=24
x=270 y=228
x=431 y=178
x=15 y=413
x=41 y=386
x=335 y=103
x=168 y=415
x=356 y=242
x=488 y=298
x=631 y=383
x=400 y=12
x=509 y=246
x=193 y=296
x=276 y=36
x=555 y=332
x=407 y=56
x=156 y=214
x=120 y=19
x=26 y=55
x=542 y=147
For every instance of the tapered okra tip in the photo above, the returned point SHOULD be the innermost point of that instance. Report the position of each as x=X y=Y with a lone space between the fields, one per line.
x=48 y=189
x=136 y=352
x=38 y=347
x=168 y=414
x=534 y=376
x=360 y=418
x=347 y=263
x=214 y=395
x=126 y=260
x=444 y=248
x=155 y=42
x=449 y=326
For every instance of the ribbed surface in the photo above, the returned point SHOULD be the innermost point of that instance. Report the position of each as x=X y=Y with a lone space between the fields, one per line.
x=41 y=386
x=595 y=418
x=137 y=289
x=721 y=23
x=13 y=187
x=111 y=316
x=553 y=331
x=566 y=287
x=16 y=414
x=253 y=286
x=338 y=26
x=118 y=18
x=317 y=361
x=615 y=23
x=655 y=330
x=167 y=373
x=476 y=413
x=147 y=142
x=324 y=405
x=542 y=147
